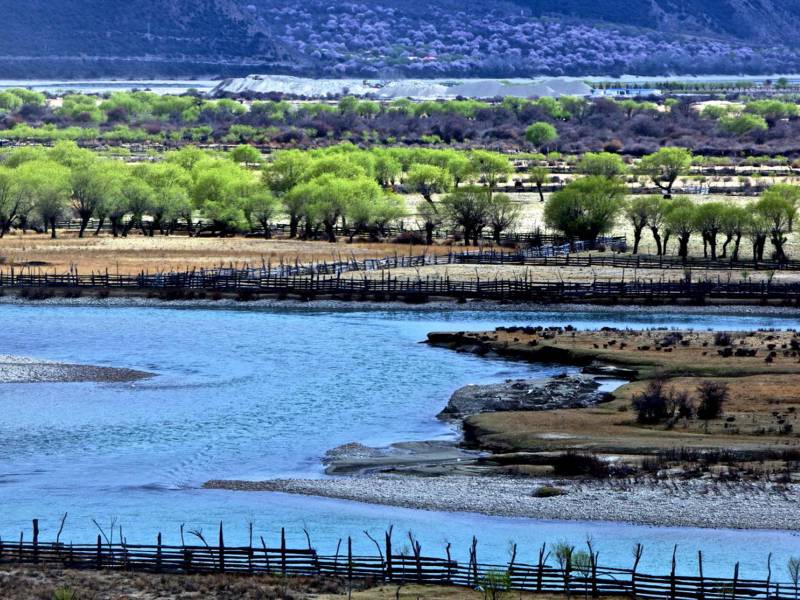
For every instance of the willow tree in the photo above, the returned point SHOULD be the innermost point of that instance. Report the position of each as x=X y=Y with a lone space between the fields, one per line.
x=779 y=212
x=285 y=171
x=47 y=183
x=681 y=219
x=427 y=180
x=585 y=208
x=665 y=166
x=468 y=208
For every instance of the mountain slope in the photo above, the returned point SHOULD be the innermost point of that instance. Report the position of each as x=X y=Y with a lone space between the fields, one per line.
x=756 y=21
x=395 y=38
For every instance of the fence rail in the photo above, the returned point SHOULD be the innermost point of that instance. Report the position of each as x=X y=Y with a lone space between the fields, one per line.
x=585 y=577
x=415 y=289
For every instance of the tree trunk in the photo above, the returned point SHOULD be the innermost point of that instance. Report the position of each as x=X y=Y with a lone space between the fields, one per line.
x=496 y=231
x=541 y=194
x=429 y=234
x=330 y=231
x=637 y=237
x=657 y=238
x=778 y=241
x=53 y=228
x=667 y=235
x=712 y=244
x=683 y=250
x=84 y=222
x=735 y=253
x=100 y=224
x=293 y=221
x=728 y=239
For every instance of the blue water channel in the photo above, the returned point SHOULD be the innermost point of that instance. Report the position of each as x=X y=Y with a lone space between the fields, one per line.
x=264 y=393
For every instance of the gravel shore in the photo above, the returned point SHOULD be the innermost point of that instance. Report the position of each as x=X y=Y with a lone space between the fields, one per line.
x=135 y=301
x=19 y=369
x=694 y=503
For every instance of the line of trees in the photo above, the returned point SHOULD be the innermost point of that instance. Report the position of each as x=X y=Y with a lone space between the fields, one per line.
x=592 y=205
x=319 y=192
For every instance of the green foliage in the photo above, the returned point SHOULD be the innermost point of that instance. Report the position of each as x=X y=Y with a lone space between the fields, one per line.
x=742 y=124
x=495 y=585
x=246 y=154
x=585 y=208
x=428 y=180
x=665 y=166
x=81 y=108
x=541 y=134
x=604 y=164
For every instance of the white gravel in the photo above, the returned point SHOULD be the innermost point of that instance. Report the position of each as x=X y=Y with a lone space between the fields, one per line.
x=434 y=306
x=21 y=369
x=693 y=503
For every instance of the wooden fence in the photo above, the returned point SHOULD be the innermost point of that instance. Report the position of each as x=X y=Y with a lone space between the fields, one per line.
x=174 y=285
x=584 y=576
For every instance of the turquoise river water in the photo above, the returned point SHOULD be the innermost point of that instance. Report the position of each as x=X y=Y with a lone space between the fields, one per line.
x=264 y=393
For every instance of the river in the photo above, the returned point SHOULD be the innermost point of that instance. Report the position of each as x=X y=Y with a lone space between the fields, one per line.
x=264 y=393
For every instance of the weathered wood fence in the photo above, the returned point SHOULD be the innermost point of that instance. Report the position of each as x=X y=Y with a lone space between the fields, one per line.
x=413 y=289
x=580 y=577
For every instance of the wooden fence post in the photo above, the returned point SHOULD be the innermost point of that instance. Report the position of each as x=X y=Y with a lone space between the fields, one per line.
x=99 y=551
x=36 y=540
x=672 y=574
x=389 y=555
x=735 y=580
x=221 y=550
x=702 y=593
x=283 y=551
x=158 y=553
x=349 y=563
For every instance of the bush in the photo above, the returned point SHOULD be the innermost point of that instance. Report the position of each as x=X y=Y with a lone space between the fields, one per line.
x=495 y=584
x=651 y=404
x=712 y=396
x=722 y=338
x=547 y=491
x=571 y=464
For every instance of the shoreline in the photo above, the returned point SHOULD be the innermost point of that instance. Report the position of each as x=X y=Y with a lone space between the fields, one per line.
x=663 y=503
x=23 y=369
x=141 y=301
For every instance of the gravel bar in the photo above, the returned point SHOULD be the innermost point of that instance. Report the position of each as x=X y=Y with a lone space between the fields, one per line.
x=19 y=369
x=691 y=503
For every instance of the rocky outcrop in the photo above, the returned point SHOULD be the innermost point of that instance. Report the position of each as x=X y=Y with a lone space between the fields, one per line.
x=551 y=393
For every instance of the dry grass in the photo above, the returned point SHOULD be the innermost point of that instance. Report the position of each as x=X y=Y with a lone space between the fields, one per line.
x=429 y=592
x=568 y=274
x=43 y=583
x=136 y=253
x=764 y=395
x=31 y=583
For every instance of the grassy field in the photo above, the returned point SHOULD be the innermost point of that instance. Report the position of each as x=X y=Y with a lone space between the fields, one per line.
x=761 y=413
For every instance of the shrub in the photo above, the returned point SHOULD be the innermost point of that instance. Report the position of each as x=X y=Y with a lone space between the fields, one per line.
x=651 y=404
x=547 y=491
x=571 y=463
x=722 y=338
x=712 y=396
x=495 y=584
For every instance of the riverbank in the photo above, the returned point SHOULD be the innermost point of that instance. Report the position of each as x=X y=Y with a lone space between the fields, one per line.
x=694 y=503
x=21 y=369
x=143 y=299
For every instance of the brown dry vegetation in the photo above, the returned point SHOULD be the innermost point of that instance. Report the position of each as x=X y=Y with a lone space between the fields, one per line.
x=136 y=253
x=762 y=413
x=42 y=583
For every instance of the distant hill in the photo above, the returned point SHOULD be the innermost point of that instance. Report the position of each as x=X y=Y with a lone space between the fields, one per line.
x=755 y=21
x=395 y=38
